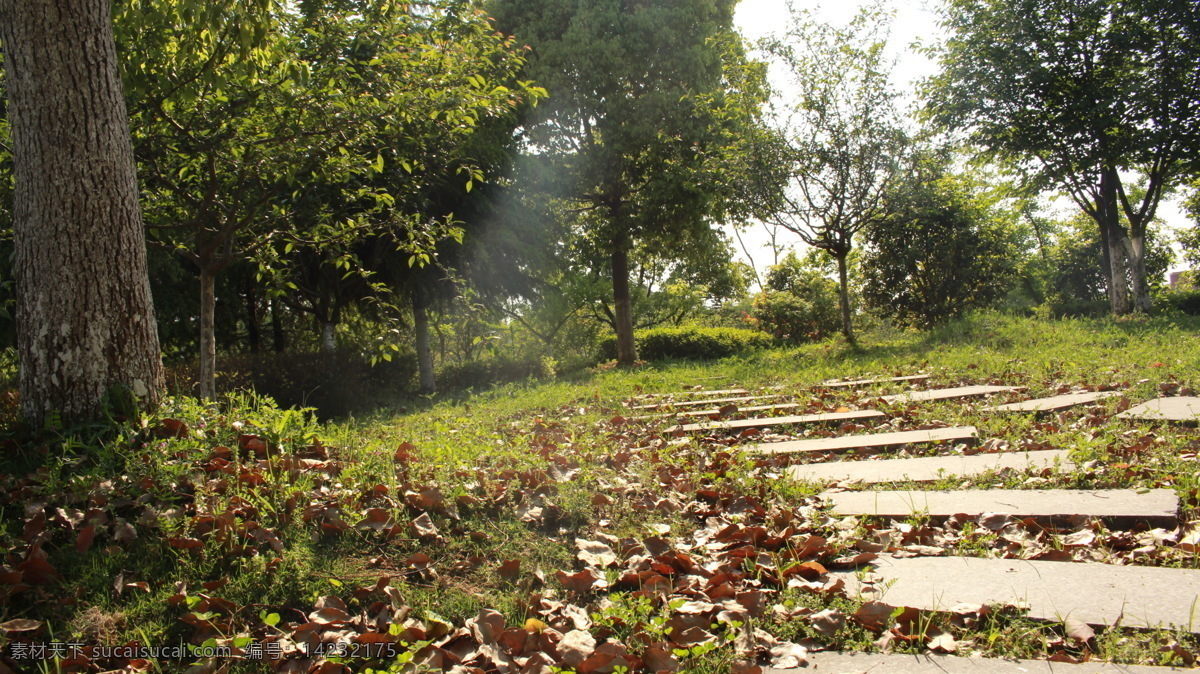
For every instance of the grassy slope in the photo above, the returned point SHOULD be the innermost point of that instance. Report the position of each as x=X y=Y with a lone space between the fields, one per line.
x=515 y=473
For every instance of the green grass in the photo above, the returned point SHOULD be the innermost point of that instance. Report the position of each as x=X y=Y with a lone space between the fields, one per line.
x=476 y=464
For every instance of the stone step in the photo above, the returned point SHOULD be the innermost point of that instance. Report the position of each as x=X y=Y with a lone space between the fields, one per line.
x=928 y=469
x=869 y=441
x=855 y=383
x=714 y=412
x=778 y=421
x=948 y=393
x=1098 y=594
x=1159 y=507
x=1177 y=408
x=827 y=662
x=689 y=394
x=694 y=403
x=1054 y=403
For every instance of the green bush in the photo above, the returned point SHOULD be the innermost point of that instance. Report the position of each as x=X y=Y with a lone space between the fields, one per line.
x=690 y=343
x=1185 y=301
x=795 y=318
x=494 y=370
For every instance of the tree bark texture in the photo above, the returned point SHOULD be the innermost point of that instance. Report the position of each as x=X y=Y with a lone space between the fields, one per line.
x=1113 y=235
x=208 y=337
x=844 y=297
x=426 y=381
x=85 y=318
x=623 y=303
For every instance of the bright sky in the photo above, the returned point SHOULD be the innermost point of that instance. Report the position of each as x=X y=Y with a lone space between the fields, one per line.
x=915 y=22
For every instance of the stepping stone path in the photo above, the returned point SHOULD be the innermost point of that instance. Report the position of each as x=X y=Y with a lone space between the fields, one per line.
x=870 y=441
x=833 y=383
x=694 y=403
x=1098 y=594
x=777 y=421
x=1159 y=507
x=1054 y=403
x=948 y=393
x=1179 y=408
x=714 y=411
x=930 y=468
x=872 y=663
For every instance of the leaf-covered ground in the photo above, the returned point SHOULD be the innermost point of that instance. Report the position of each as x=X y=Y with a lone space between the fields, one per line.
x=542 y=528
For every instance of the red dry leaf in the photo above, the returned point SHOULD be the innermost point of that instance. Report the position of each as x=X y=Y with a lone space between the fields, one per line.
x=404 y=453
x=329 y=616
x=660 y=659
x=874 y=615
x=580 y=583
x=509 y=570
x=184 y=543
x=85 y=538
x=172 y=428
x=36 y=569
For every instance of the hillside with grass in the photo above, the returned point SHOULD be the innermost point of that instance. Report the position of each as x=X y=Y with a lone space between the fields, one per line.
x=539 y=527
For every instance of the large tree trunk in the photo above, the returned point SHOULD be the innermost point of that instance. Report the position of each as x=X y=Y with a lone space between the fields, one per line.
x=1112 y=234
x=208 y=336
x=328 y=342
x=426 y=381
x=844 y=296
x=1135 y=248
x=1118 y=283
x=623 y=303
x=85 y=319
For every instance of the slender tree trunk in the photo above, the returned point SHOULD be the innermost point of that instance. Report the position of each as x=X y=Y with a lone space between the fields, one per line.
x=278 y=334
x=208 y=337
x=85 y=319
x=426 y=382
x=253 y=320
x=844 y=296
x=623 y=303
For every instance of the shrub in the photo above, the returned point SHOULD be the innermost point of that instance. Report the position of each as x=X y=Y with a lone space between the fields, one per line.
x=1185 y=301
x=494 y=370
x=690 y=343
x=798 y=318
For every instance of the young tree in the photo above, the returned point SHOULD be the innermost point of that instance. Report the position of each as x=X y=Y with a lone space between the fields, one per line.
x=85 y=320
x=843 y=135
x=644 y=100
x=1081 y=93
x=946 y=246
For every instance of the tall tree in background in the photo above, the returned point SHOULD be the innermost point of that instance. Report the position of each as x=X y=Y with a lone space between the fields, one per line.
x=639 y=114
x=1081 y=93
x=85 y=320
x=842 y=134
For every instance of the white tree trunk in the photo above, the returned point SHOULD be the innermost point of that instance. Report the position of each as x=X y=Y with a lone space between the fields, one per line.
x=85 y=321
